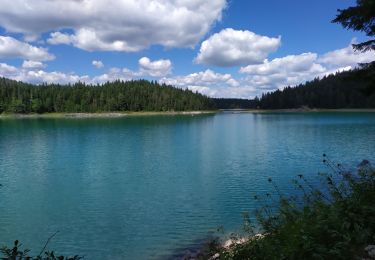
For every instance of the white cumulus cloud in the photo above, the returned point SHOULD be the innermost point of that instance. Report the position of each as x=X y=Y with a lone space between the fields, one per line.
x=13 y=48
x=158 y=68
x=7 y=70
x=295 y=63
x=211 y=84
x=60 y=38
x=347 y=57
x=295 y=69
x=37 y=76
x=122 y=25
x=41 y=76
x=97 y=64
x=224 y=92
x=285 y=71
x=116 y=74
x=235 y=47
x=203 y=78
x=30 y=64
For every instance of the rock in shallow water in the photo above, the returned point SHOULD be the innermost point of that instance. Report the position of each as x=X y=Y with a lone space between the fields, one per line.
x=370 y=249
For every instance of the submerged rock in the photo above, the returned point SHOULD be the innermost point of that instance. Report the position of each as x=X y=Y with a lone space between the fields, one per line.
x=370 y=249
x=215 y=256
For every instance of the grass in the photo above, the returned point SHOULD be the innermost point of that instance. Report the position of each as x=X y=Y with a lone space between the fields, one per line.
x=333 y=222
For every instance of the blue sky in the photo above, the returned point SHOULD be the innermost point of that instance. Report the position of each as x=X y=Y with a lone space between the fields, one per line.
x=233 y=48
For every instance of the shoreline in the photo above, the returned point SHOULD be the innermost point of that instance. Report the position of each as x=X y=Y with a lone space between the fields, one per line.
x=79 y=115
x=302 y=110
x=104 y=114
x=220 y=244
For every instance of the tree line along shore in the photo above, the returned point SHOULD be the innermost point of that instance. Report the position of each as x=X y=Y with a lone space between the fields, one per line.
x=354 y=89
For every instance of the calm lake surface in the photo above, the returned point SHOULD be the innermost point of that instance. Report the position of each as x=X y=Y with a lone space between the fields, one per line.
x=147 y=187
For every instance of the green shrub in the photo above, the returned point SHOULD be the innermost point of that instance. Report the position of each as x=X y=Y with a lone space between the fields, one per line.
x=333 y=222
x=15 y=253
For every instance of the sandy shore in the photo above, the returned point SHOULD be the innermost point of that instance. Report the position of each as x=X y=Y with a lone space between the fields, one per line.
x=104 y=114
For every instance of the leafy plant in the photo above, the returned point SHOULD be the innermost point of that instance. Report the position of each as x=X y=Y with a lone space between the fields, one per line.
x=16 y=253
x=335 y=221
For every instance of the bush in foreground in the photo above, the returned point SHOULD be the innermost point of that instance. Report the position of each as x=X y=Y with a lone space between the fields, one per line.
x=16 y=253
x=333 y=222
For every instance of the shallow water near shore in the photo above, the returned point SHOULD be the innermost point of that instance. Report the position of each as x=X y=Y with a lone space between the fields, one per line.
x=147 y=187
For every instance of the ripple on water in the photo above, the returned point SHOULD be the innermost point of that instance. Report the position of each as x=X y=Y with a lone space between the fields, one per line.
x=154 y=187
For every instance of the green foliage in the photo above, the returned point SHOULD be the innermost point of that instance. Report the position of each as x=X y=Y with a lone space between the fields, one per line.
x=2 y=108
x=140 y=95
x=15 y=253
x=17 y=106
x=350 y=89
x=359 y=18
x=334 y=222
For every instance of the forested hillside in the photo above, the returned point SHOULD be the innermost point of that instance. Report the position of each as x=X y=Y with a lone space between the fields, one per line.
x=350 y=89
x=140 y=95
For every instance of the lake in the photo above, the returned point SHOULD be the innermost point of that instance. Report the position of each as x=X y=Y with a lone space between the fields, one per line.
x=148 y=187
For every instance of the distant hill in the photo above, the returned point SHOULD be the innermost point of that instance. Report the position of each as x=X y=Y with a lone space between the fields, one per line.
x=350 y=89
x=139 y=95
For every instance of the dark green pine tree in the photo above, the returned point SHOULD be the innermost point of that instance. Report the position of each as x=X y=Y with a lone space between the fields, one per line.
x=359 y=18
x=140 y=95
x=349 y=89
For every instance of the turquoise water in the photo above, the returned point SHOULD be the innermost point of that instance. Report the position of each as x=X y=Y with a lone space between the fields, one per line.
x=146 y=187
